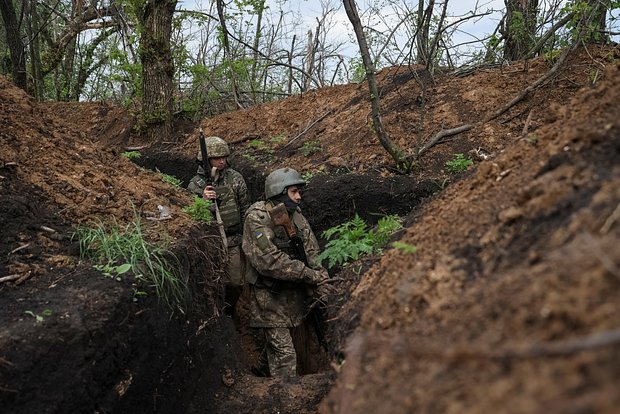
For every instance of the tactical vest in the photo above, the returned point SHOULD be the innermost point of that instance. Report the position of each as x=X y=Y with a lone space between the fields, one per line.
x=229 y=209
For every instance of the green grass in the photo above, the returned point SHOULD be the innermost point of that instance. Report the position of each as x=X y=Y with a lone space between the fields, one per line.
x=171 y=179
x=119 y=250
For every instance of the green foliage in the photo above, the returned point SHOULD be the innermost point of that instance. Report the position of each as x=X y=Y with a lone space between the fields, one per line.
x=310 y=147
x=132 y=155
x=171 y=179
x=117 y=250
x=39 y=317
x=200 y=210
x=458 y=164
x=277 y=139
x=405 y=247
x=351 y=240
x=308 y=175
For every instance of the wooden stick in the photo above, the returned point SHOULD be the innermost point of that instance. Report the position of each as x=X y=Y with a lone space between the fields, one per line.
x=306 y=129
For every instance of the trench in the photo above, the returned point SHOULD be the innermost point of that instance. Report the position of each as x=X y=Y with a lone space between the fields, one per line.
x=219 y=379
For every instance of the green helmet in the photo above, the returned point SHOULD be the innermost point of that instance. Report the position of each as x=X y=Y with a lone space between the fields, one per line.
x=277 y=182
x=216 y=147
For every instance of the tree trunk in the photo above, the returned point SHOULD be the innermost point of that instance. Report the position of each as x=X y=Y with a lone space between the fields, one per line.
x=520 y=28
x=157 y=68
x=16 y=47
x=395 y=152
x=227 y=54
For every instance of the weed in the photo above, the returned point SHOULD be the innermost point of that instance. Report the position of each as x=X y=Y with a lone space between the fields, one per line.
x=405 y=247
x=256 y=143
x=117 y=250
x=310 y=147
x=200 y=210
x=170 y=179
x=351 y=240
x=532 y=138
x=132 y=155
x=39 y=318
x=308 y=175
x=458 y=164
x=277 y=139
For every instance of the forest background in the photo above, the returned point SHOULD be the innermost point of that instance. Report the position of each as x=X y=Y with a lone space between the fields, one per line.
x=168 y=58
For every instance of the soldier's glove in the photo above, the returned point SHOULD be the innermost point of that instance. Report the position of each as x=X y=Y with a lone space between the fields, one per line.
x=315 y=277
x=321 y=294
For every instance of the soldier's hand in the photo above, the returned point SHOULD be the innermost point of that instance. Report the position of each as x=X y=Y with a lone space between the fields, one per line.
x=315 y=276
x=209 y=193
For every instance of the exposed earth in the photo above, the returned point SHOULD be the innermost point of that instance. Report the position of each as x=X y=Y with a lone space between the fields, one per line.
x=510 y=303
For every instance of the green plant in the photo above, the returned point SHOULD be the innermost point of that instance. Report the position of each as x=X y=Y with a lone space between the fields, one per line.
x=132 y=154
x=41 y=317
x=308 y=175
x=116 y=250
x=200 y=210
x=405 y=247
x=170 y=179
x=351 y=240
x=310 y=147
x=277 y=139
x=113 y=271
x=458 y=164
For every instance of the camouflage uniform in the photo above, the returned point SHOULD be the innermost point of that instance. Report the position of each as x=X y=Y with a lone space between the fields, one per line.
x=280 y=283
x=233 y=202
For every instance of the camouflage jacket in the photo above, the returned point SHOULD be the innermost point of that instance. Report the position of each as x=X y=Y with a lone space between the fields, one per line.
x=279 y=291
x=232 y=196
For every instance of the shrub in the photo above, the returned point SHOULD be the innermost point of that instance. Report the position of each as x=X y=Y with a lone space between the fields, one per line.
x=200 y=210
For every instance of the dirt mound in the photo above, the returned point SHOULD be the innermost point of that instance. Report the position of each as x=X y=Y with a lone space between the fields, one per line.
x=510 y=303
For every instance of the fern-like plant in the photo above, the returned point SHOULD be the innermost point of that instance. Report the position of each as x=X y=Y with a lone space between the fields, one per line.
x=353 y=239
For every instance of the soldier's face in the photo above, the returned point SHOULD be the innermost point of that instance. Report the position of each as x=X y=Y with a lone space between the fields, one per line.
x=218 y=162
x=294 y=193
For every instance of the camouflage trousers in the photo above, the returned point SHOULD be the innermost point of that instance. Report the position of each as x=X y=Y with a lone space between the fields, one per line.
x=278 y=357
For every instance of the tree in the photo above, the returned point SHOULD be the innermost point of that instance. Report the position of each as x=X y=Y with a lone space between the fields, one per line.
x=519 y=29
x=157 y=67
x=16 y=47
x=397 y=154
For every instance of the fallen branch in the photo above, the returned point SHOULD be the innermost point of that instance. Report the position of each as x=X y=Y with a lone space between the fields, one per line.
x=306 y=129
x=10 y=277
x=442 y=134
x=533 y=86
x=502 y=110
x=19 y=248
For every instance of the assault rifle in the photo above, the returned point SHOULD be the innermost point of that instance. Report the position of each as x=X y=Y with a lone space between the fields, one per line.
x=209 y=173
x=279 y=216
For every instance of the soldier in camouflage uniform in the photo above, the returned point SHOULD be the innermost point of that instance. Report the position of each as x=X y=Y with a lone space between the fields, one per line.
x=231 y=192
x=279 y=285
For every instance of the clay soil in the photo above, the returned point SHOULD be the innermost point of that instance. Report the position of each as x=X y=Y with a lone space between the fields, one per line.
x=510 y=303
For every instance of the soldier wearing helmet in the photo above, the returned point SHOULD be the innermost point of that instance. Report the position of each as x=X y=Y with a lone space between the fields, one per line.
x=280 y=283
x=230 y=192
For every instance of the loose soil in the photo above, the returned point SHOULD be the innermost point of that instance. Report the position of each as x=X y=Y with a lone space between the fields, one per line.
x=511 y=302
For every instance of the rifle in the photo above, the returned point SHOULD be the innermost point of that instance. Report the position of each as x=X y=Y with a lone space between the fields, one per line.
x=279 y=216
x=209 y=173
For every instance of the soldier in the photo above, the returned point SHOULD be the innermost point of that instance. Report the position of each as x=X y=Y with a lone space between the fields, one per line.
x=280 y=283
x=231 y=193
